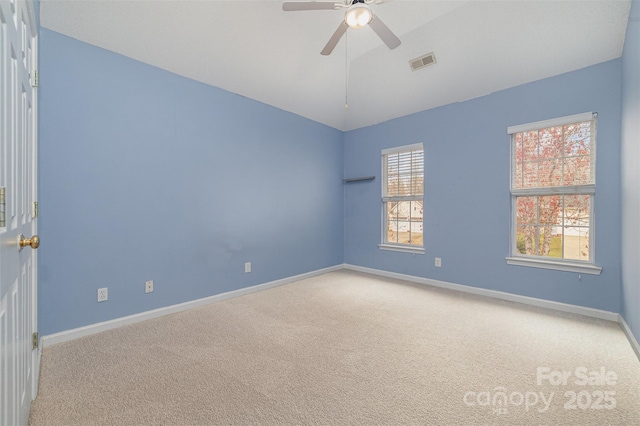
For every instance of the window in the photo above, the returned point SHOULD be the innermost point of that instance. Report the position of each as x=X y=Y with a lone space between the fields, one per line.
x=402 y=198
x=552 y=191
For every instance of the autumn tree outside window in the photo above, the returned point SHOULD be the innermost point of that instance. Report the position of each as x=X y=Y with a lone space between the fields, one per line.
x=552 y=191
x=403 y=198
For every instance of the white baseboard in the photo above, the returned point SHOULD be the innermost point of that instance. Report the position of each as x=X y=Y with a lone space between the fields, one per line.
x=67 y=335
x=632 y=339
x=558 y=306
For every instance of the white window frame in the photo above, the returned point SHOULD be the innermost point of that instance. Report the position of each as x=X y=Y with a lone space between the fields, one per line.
x=384 y=245
x=518 y=259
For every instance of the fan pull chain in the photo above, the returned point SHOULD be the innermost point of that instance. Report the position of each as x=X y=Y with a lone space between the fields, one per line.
x=346 y=70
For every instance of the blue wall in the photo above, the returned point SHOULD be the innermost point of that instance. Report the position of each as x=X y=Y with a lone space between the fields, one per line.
x=148 y=175
x=145 y=175
x=631 y=172
x=467 y=201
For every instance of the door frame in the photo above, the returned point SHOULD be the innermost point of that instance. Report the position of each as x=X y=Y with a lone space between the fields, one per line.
x=35 y=357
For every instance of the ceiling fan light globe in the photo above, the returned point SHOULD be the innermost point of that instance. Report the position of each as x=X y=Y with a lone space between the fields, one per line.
x=358 y=16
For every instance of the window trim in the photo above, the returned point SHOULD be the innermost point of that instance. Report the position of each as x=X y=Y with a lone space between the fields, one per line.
x=560 y=121
x=390 y=246
x=402 y=247
x=397 y=149
x=565 y=265
x=568 y=265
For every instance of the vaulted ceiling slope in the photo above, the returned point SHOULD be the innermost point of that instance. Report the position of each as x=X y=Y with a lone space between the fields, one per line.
x=255 y=49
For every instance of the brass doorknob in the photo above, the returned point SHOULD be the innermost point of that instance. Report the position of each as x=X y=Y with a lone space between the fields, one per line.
x=34 y=242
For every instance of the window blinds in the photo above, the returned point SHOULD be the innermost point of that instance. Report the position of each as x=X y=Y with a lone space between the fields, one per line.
x=404 y=173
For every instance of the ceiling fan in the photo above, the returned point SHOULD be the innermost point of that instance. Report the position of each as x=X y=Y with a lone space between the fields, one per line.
x=358 y=15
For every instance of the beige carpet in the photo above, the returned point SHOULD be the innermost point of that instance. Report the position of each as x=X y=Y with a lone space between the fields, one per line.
x=346 y=348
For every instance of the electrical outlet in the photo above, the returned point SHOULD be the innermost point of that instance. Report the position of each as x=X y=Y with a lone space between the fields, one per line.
x=438 y=262
x=103 y=294
x=247 y=267
x=148 y=287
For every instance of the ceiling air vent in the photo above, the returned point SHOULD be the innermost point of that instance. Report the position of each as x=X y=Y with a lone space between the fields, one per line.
x=422 y=61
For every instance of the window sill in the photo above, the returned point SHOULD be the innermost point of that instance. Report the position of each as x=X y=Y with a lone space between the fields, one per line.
x=406 y=249
x=555 y=265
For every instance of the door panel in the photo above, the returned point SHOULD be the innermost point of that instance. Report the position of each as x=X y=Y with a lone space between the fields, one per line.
x=18 y=150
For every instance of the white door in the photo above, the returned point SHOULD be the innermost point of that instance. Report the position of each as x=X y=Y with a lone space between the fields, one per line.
x=18 y=359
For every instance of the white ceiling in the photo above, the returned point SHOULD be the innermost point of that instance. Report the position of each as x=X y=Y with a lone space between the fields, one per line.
x=256 y=50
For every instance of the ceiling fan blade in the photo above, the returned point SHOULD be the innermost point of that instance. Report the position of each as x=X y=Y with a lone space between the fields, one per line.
x=384 y=33
x=335 y=38
x=292 y=6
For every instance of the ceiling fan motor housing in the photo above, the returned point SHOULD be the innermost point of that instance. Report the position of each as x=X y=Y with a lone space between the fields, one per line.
x=358 y=15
